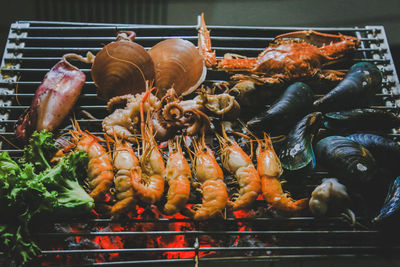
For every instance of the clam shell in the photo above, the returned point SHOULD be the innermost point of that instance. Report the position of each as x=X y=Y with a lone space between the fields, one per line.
x=178 y=64
x=120 y=68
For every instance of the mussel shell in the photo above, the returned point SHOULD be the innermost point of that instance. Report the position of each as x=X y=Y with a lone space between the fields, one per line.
x=294 y=103
x=120 y=68
x=385 y=151
x=391 y=207
x=360 y=84
x=362 y=120
x=178 y=64
x=350 y=162
x=297 y=152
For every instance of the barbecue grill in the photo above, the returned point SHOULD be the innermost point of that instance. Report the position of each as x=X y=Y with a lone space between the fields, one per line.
x=33 y=47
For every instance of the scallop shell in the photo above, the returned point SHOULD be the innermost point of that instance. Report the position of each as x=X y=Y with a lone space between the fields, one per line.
x=122 y=67
x=178 y=64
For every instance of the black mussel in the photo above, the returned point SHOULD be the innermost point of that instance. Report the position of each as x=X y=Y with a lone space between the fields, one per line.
x=296 y=152
x=385 y=151
x=295 y=102
x=361 y=83
x=391 y=208
x=350 y=162
x=367 y=119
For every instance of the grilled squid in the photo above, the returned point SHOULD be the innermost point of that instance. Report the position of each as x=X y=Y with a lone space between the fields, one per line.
x=54 y=99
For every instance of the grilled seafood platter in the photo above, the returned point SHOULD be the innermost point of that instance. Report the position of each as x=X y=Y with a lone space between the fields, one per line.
x=203 y=148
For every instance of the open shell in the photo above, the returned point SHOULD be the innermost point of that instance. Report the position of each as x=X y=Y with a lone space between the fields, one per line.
x=178 y=64
x=122 y=67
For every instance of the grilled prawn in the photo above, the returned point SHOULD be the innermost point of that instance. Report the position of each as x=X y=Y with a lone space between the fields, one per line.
x=100 y=168
x=270 y=169
x=211 y=178
x=124 y=160
x=178 y=176
x=237 y=162
x=148 y=182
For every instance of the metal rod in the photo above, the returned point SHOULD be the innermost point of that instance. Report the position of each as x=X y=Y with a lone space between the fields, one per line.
x=178 y=27
x=271 y=248
x=132 y=233
x=234 y=220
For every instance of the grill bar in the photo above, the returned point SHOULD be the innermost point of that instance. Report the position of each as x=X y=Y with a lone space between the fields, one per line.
x=190 y=27
x=137 y=250
x=226 y=233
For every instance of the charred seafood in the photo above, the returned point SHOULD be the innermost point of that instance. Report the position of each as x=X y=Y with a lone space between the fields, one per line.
x=385 y=151
x=330 y=197
x=350 y=162
x=295 y=55
x=360 y=84
x=367 y=119
x=178 y=65
x=122 y=67
x=295 y=102
x=390 y=210
x=54 y=99
x=296 y=151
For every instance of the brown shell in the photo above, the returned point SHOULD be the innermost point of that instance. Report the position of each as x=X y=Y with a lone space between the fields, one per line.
x=178 y=64
x=120 y=68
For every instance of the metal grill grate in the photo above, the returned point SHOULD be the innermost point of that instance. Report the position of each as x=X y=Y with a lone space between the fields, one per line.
x=34 y=47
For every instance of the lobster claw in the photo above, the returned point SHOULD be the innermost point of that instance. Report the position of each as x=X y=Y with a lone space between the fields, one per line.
x=317 y=38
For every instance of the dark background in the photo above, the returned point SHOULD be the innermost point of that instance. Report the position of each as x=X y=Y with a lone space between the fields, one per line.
x=303 y=13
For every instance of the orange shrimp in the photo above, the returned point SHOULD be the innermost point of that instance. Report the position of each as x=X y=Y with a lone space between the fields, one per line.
x=100 y=168
x=210 y=176
x=204 y=44
x=179 y=177
x=148 y=182
x=237 y=162
x=270 y=169
x=124 y=159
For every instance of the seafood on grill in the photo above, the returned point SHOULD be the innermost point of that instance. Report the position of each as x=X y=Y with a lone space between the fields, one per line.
x=122 y=67
x=331 y=197
x=179 y=178
x=385 y=151
x=211 y=179
x=294 y=55
x=170 y=114
x=124 y=160
x=100 y=167
x=221 y=105
x=296 y=151
x=124 y=122
x=148 y=181
x=54 y=99
x=294 y=103
x=347 y=160
x=238 y=163
x=178 y=65
x=389 y=213
x=360 y=84
x=366 y=119
x=270 y=169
